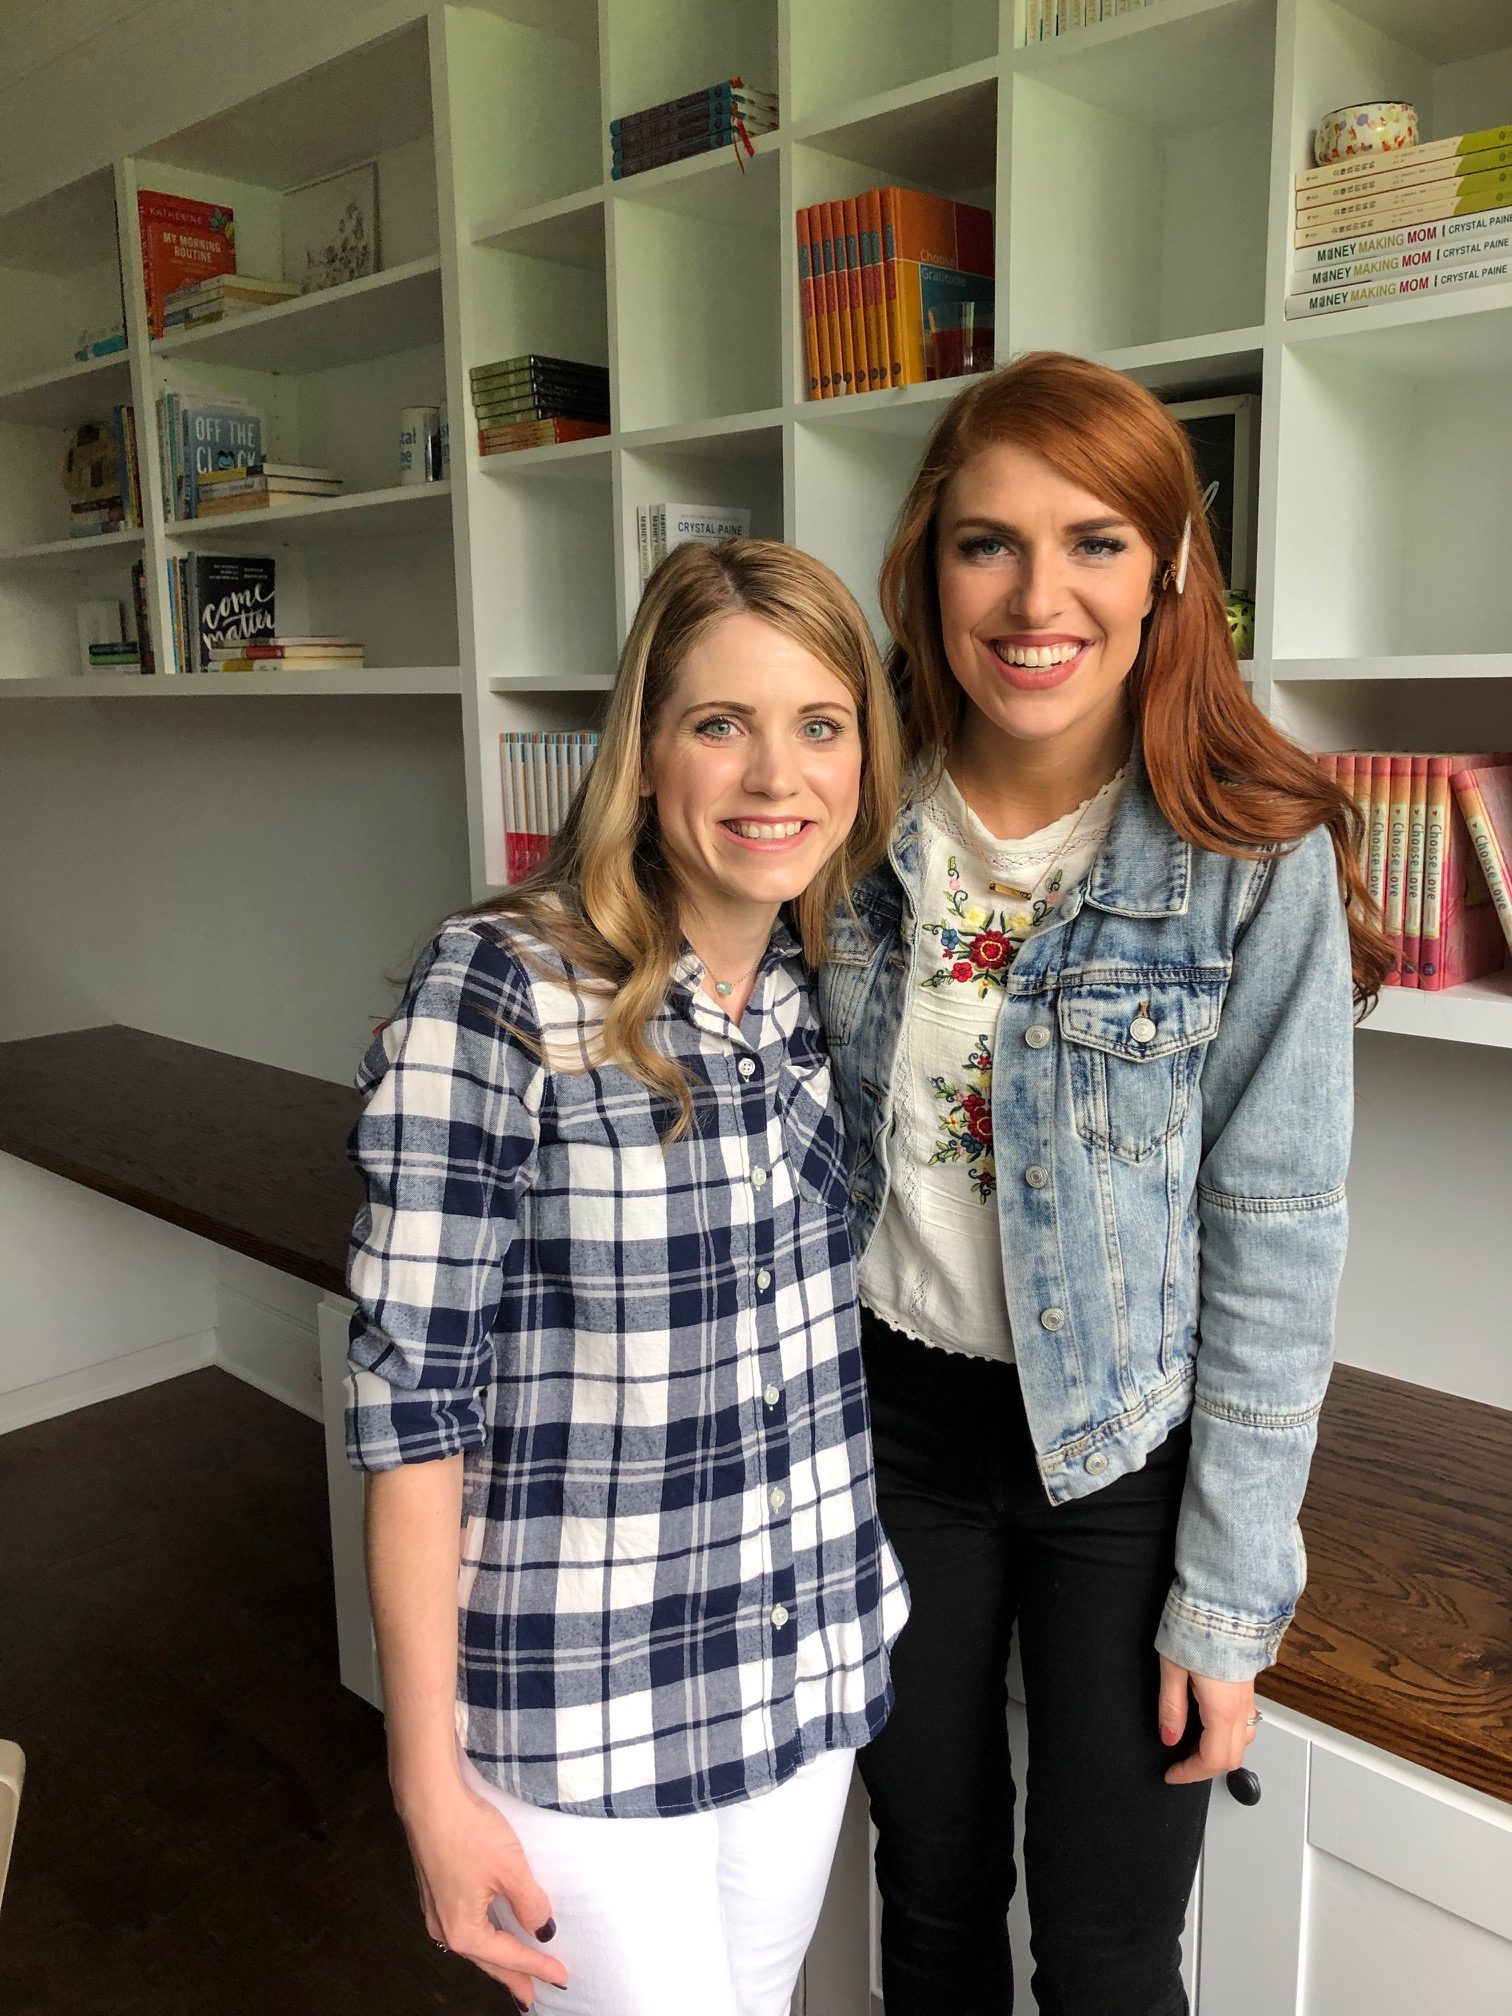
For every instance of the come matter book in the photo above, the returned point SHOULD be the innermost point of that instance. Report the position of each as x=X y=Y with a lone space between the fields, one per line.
x=182 y=242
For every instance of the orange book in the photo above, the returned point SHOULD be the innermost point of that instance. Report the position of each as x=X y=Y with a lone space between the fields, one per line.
x=829 y=357
x=806 y=309
x=851 y=221
x=836 y=294
x=1394 y=909
x=878 y=369
x=182 y=240
x=889 y=209
x=944 y=257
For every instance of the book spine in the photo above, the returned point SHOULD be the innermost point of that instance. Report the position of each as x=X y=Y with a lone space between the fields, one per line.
x=891 y=305
x=1481 y=833
x=878 y=369
x=1397 y=287
x=1438 y=798
x=1399 y=793
x=1336 y=173
x=1399 y=173
x=806 y=309
x=1412 y=919
x=828 y=365
x=729 y=91
x=839 y=324
x=642 y=545
x=1439 y=232
x=1430 y=203
x=1484 y=247
x=1380 y=797
x=850 y=220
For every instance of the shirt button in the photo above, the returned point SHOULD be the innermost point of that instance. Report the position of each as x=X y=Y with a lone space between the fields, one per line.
x=758 y=1177
x=1037 y=1037
x=1036 y=1177
x=747 y=1067
x=777 y=1497
x=772 y=1395
x=1053 y=1319
x=779 y=1615
x=1141 y=1028
x=763 y=1280
x=1096 y=1463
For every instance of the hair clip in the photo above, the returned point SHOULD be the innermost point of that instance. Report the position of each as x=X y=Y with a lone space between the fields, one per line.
x=1177 y=575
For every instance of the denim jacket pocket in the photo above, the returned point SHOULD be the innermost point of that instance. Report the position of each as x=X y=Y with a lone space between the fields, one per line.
x=1134 y=1049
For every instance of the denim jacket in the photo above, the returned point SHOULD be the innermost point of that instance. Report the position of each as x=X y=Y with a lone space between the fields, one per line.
x=1171 y=1111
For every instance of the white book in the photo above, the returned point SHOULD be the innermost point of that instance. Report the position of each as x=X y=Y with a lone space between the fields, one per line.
x=1394 y=287
x=507 y=784
x=1400 y=238
x=1405 y=259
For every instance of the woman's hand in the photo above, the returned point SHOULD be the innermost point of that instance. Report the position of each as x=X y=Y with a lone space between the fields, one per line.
x=1225 y=1708
x=465 y=1854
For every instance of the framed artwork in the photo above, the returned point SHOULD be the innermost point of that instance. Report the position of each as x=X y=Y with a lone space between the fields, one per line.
x=330 y=229
x=1224 y=434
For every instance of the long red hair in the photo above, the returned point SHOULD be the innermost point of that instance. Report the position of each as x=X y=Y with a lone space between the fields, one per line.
x=1225 y=778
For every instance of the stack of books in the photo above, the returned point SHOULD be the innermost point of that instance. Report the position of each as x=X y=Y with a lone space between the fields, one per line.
x=287 y=654
x=262 y=484
x=540 y=776
x=215 y=602
x=183 y=242
x=222 y=294
x=1420 y=220
x=99 y=340
x=660 y=527
x=1432 y=876
x=1048 y=18
x=531 y=401
x=119 y=657
x=722 y=115
x=880 y=276
x=199 y=433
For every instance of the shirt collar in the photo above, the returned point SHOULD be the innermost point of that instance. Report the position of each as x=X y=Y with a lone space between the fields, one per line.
x=688 y=971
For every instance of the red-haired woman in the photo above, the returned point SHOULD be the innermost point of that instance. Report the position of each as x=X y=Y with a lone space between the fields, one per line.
x=1092 y=1025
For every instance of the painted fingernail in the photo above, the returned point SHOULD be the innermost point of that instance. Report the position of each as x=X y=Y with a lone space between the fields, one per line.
x=547 y=1931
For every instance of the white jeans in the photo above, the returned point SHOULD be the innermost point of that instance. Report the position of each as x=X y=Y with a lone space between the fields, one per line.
x=709 y=1914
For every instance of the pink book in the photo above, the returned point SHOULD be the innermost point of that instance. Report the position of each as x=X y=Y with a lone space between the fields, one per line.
x=1484 y=798
x=1412 y=920
x=1462 y=938
x=1394 y=906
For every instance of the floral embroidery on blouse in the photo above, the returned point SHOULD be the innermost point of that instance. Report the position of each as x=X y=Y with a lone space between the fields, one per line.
x=978 y=952
x=965 y=1126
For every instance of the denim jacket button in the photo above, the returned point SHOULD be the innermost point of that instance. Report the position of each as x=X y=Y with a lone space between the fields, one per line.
x=1141 y=1028
x=1036 y=1177
x=1053 y=1319
x=1037 y=1037
x=1096 y=1463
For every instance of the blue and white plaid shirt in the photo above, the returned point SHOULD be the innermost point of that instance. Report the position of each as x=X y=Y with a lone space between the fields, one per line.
x=674 y=1586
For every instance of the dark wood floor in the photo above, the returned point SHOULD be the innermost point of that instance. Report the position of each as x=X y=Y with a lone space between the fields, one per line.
x=206 y=1828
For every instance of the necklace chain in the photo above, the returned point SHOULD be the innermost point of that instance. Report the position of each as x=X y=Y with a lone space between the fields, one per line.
x=1028 y=895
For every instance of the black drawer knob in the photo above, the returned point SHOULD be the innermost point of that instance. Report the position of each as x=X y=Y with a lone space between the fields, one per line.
x=1245 y=1787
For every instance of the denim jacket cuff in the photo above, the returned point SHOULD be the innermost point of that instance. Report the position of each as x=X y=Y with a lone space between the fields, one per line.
x=1215 y=1643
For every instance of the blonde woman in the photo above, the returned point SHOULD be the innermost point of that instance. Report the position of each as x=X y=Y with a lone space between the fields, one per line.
x=632 y=1600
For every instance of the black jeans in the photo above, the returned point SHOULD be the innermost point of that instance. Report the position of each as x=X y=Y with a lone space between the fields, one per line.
x=1110 y=1850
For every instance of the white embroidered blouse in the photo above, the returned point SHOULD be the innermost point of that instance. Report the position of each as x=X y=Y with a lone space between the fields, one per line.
x=934 y=1268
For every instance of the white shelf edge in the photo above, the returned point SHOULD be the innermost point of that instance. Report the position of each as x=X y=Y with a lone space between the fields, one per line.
x=649 y=180
x=550 y=455
x=552 y=212
x=66 y=549
x=184 y=342
x=1445 y=665
x=70 y=373
x=1183 y=349
x=690 y=432
x=1478 y=1013
x=858 y=407
x=369 y=680
x=816 y=126
x=316 y=507
x=546 y=682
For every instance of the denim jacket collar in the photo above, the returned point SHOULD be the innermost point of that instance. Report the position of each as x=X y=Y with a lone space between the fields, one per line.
x=1143 y=870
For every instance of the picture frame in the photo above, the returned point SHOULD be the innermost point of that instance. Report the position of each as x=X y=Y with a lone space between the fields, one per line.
x=1224 y=434
x=330 y=229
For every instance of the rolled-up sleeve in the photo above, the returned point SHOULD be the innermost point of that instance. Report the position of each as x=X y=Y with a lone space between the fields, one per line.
x=445 y=1148
x=1277 y=1115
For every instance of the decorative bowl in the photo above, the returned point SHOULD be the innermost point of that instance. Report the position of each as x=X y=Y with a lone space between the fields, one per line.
x=1241 y=622
x=1377 y=128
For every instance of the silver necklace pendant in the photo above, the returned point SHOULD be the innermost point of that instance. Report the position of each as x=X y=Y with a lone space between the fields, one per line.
x=724 y=987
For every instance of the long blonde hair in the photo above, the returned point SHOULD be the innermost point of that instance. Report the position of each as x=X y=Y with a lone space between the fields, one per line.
x=1226 y=779
x=604 y=898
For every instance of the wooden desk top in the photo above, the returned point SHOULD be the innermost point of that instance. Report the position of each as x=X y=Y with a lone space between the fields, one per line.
x=244 y=1154
x=1403 y=1638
